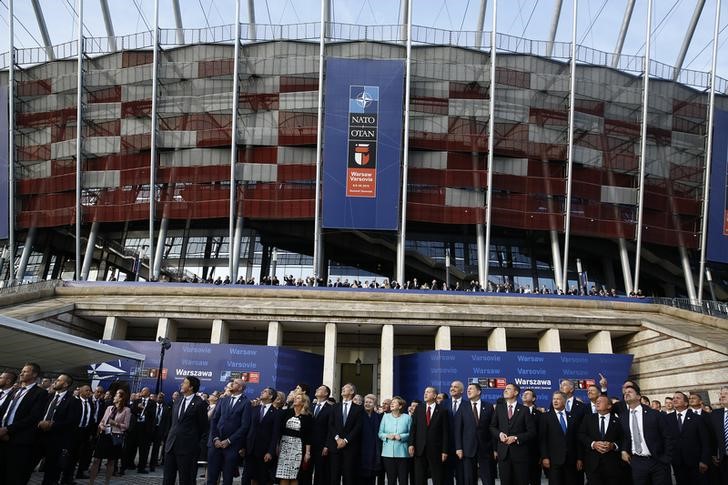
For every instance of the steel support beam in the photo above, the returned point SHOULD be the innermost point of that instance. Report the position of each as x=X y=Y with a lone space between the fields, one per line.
x=480 y=248
x=317 y=231
x=643 y=147
x=43 y=30
x=556 y=259
x=79 y=138
x=554 y=27
x=687 y=274
x=88 y=256
x=401 y=242
x=626 y=268
x=177 y=23
x=623 y=33
x=11 y=145
x=708 y=152
x=252 y=33
x=688 y=38
x=153 y=141
x=570 y=148
x=159 y=250
x=491 y=144
x=404 y=9
x=480 y=24
x=109 y=24
x=233 y=259
x=27 y=249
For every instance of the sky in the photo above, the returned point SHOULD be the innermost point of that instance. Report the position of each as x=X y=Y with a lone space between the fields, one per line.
x=598 y=21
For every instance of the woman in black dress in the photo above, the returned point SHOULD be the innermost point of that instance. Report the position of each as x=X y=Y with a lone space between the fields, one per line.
x=112 y=428
x=295 y=444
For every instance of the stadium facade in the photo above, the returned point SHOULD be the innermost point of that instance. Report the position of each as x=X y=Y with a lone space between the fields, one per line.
x=177 y=105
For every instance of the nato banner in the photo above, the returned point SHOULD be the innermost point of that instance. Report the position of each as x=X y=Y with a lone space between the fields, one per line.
x=214 y=364
x=717 y=243
x=362 y=143
x=492 y=371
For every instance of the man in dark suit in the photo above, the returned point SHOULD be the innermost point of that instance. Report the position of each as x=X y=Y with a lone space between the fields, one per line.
x=558 y=443
x=7 y=388
x=162 y=422
x=57 y=429
x=82 y=438
x=263 y=436
x=648 y=445
x=428 y=439
x=528 y=398
x=692 y=442
x=513 y=429
x=473 y=442
x=321 y=410
x=718 y=425
x=228 y=430
x=189 y=423
x=453 y=465
x=143 y=412
x=20 y=425
x=601 y=436
x=344 y=439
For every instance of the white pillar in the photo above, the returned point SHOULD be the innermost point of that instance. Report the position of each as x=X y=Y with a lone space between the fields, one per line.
x=220 y=332
x=497 y=340
x=167 y=328
x=549 y=341
x=88 y=256
x=600 y=342
x=556 y=257
x=442 y=338
x=386 y=366
x=25 y=255
x=480 y=246
x=688 y=274
x=626 y=268
x=114 y=329
x=275 y=334
x=329 y=376
x=159 y=253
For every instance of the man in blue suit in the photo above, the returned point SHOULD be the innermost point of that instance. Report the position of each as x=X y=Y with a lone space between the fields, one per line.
x=648 y=445
x=263 y=436
x=473 y=445
x=692 y=443
x=228 y=429
x=454 y=466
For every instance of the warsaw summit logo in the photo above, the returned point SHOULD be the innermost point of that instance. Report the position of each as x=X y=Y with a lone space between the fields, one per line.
x=361 y=176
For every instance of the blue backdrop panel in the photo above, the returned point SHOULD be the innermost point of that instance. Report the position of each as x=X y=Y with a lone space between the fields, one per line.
x=214 y=365
x=367 y=151
x=4 y=143
x=540 y=371
x=717 y=243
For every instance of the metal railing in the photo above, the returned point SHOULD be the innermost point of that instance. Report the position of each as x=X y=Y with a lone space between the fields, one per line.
x=707 y=307
x=342 y=32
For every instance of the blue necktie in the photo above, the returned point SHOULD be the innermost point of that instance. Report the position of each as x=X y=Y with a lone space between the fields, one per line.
x=562 y=421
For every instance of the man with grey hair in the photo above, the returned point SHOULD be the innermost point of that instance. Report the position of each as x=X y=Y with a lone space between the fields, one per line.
x=558 y=435
x=228 y=431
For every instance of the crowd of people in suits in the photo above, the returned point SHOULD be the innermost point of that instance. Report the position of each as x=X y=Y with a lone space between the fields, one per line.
x=70 y=431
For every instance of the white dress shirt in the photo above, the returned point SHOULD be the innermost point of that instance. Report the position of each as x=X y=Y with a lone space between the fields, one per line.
x=638 y=412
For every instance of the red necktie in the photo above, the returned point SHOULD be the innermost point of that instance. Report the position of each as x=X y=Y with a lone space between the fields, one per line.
x=428 y=415
x=510 y=411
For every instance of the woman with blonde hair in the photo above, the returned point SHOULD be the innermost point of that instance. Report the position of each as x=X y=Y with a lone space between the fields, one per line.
x=295 y=443
x=394 y=432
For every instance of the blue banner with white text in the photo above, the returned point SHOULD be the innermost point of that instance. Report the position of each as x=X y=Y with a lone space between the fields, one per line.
x=362 y=143
x=540 y=371
x=214 y=364
x=717 y=240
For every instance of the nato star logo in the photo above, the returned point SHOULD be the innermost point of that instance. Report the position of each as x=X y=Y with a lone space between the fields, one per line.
x=364 y=99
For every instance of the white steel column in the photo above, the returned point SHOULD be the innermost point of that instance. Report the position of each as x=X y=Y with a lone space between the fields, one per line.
x=317 y=236
x=404 y=10
x=25 y=255
x=234 y=245
x=159 y=249
x=570 y=148
x=491 y=135
x=405 y=152
x=88 y=256
x=252 y=34
x=708 y=152
x=177 y=22
x=79 y=139
x=688 y=38
x=43 y=30
x=687 y=273
x=153 y=141
x=482 y=262
x=480 y=24
x=237 y=242
x=11 y=145
x=623 y=33
x=556 y=257
x=626 y=268
x=109 y=24
x=643 y=147
x=554 y=27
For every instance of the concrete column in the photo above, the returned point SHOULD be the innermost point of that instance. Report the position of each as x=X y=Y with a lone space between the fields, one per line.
x=497 y=340
x=220 y=332
x=167 y=328
x=549 y=341
x=600 y=342
x=114 y=329
x=386 y=368
x=442 y=338
x=330 y=356
x=275 y=334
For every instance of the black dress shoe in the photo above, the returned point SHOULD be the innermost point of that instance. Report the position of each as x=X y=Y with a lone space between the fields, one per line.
x=143 y=471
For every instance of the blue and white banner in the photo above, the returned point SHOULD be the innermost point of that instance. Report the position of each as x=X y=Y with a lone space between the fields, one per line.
x=214 y=364
x=362 y=143
x=717 y=241
x=540 y=371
